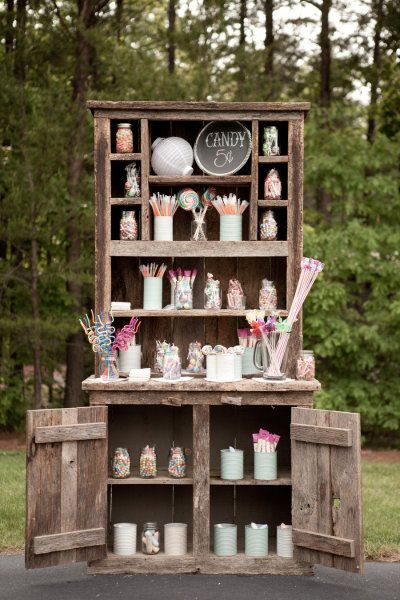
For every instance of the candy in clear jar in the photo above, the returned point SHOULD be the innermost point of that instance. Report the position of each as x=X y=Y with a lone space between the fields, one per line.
x=148 y=462
x=124 y=138
x=270 y=144
x=183 y=294
x=128 y=229
x=235 y=297
x=268 y=226
x=172 y=363
x=268 y=298
x=121 y=463
x=161 y=347
x=132 y=183
x=150 y=538
x=195 y=357
x=272 y=186
x=305 y=369
x=177 y=462
x=212 y=293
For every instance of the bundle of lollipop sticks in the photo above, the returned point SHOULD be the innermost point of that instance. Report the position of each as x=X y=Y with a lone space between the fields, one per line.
x=229 y=205
x=164 y=206
x=153 y=270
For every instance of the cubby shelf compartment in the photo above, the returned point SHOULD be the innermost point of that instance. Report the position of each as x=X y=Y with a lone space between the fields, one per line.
x=195 y=312
x=203 y=249
x=162 y=479
x=284 y=478
x=125 y=201
x=273 y=159
x=127 y=156
x=272 y=203
x=201 y=179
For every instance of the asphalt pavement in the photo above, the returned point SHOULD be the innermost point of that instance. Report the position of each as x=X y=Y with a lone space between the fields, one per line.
x=380 y=582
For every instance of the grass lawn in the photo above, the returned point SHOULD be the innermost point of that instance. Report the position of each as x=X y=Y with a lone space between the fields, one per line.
x=381 y=485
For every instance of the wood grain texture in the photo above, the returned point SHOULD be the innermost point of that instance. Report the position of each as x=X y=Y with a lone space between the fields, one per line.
x=212 y=106
x=189 y=249
x=284 y=478
x=322 y=473
x=200 y=179
x=195 y=312
x=324 y=543
x=321 y=435
x=51 y=474
x=66 y=433
x=253 y=223
x=144 y=183
x=125 y=201
x=125 y=156
x=295 y=231
x=195 y=115
x=273 y=159
x=272 y=203
x=201 y=475
x=57 y=542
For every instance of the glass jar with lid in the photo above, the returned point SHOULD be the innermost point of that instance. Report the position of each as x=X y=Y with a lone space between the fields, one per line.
x=268 y=226
x=305 y=369
x=128 y=228
x=124 y=138
x=172 y=363
x=150 y=538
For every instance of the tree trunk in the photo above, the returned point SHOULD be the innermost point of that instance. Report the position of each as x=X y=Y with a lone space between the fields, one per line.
x=9 y=35
x=20 y=36
x=269 y=38
x=241 y=50
x=325 y=61
x=171 y=36
x=118 y=17
x=377 y=7
x=37 y=372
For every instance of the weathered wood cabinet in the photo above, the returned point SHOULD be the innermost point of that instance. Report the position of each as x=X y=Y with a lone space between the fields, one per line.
x=71 y=499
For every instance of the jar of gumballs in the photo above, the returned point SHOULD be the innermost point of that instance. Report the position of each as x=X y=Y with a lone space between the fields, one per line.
x=148 y=462
x=150 y=538
x=268 y=297
x=268 y=226
x=177 y=462
x=172 y=364
x=195 y=358
x=183 y=294
x=121 y=463
x=124 y=138
x=128 y=228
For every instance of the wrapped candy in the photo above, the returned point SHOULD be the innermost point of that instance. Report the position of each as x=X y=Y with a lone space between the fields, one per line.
x=128 y=229
x=161 y=347
x=212 y=293
x=235 y=297
x=195 y=357
x=177 y=462
x=121 y=463
x=270 y=144
x=268 y=297
x=148 y=462
x=268 y=226
x=272 y=186
x=305 y=369
x=132 y=184
x=172 y=363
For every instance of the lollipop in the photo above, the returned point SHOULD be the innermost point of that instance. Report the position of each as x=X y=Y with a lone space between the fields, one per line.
x=188 y=199
x=208 y=195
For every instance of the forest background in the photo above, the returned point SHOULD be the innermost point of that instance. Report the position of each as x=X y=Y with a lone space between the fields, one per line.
x=342 y=56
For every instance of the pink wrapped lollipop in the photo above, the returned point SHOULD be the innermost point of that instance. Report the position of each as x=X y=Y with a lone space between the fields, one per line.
x=188 y=199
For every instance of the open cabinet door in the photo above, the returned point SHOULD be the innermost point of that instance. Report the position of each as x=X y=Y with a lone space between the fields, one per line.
x=326 y=492
x=66 y=486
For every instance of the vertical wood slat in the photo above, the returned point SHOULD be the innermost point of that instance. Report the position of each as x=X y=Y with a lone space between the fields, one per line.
x=69 y=481
x=253 y=225
x=201 y=480
x=295 y=230
x=145 y=170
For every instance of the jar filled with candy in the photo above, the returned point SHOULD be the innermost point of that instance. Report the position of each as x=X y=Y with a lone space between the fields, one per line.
x=124 y=138
x=177 y=462
x=268 y=226
x=183 y=294
x=212 y=293
x=267 y=297
x=121 y=463
x=150 y=538
x=132 y=183
x=159 y=356
x=148 y=462
x=270 y=144
x=195 y=357
x=305 y=370
x=172 y=363
x=235 y=298
x=128 y=229
x=272 y=186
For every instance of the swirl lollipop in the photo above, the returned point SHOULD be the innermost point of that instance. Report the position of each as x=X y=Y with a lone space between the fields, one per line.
x=208 y=195
x=188 y=199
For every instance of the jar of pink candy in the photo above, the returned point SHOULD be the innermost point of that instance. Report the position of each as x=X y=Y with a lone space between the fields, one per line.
x=124 y=138
x=268 y=299
x=128 y=229
x=305 y=370
x=272 y=186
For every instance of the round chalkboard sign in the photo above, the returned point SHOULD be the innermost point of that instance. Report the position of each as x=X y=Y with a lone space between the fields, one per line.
x=222 y=147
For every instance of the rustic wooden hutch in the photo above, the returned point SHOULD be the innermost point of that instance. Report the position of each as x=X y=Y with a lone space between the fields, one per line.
x=72 y=501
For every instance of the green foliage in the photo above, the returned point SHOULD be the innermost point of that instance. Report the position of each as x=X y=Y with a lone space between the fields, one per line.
x=12 y=501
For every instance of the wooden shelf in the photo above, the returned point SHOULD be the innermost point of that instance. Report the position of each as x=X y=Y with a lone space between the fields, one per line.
x=272 y=203
x=163 y=478
x=273 y=159
x=284 y=478
x=201 y=179
x=125 y=201
x=127 y=156
x=195 y=312
x=200 y=249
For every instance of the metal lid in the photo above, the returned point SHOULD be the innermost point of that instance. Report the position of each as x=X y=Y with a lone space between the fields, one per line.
x=150 y=525
x=124 y=125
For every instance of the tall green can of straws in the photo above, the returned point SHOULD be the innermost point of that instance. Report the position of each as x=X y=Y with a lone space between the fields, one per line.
x=256 y=540
x=152 y=293
x=265 y=465
x=225 y=539
x=230 y=228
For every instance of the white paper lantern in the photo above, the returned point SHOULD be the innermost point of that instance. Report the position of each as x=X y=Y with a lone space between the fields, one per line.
x=172 y=157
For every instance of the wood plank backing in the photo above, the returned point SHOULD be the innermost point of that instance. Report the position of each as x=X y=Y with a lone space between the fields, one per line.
x=66 y=487
x=321 y=435
x=324 y=543
x=295 y=231
x=201 y=480
x=253 y=229
x=65 y=433
x=145 y=169
x=57 y=542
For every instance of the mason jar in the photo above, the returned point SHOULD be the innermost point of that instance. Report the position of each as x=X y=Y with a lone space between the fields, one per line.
x=124 y=138
x=305 y=368
x=150 y=538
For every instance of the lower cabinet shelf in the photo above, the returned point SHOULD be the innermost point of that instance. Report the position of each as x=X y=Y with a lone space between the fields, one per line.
x=240 y=564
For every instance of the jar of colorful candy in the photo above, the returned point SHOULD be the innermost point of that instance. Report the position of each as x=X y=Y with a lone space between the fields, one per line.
x=121 y=463
x=268 y=226
x=267 y=297
x=128 y=229
x=148 y=462
x=212 y=293
x=124 y=138
x=195 y=358
x=305 y=370
x=172 y=363
x=177 y=462
x=183 y=294
x=150 y=538
x=270 y=144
